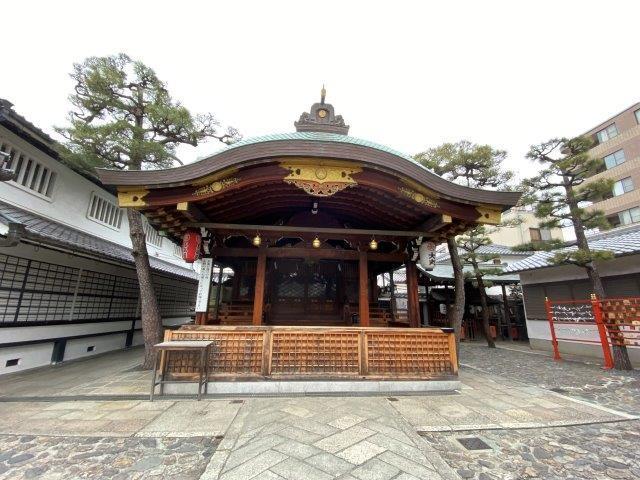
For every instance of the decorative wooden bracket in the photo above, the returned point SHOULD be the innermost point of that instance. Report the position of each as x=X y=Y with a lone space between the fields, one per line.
x=489 y=216
x=320 y=180
x=132 y=198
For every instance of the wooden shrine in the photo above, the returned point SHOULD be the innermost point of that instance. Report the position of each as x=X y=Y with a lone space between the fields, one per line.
x=307 y=221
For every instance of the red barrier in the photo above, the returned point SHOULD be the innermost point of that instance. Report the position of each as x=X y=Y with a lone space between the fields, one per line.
x=578 y=312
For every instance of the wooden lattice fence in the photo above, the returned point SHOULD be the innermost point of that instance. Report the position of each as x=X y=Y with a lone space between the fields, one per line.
x=318 y=352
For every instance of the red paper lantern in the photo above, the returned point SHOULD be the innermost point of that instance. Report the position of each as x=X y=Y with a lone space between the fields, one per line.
x=191 y=246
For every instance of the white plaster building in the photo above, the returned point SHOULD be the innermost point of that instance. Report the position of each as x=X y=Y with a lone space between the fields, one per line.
x=68 y=288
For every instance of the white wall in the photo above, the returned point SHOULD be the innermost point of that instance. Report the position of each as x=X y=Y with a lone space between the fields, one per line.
x=97 y=333
x=69 y=201
x=78 y=348
x=31 y=356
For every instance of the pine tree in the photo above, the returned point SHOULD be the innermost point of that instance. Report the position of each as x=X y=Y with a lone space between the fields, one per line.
x=559 y=195
x=124 y=118
x=478 y=166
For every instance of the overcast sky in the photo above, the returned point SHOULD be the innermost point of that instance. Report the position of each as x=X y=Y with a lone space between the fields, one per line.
x=410 y=75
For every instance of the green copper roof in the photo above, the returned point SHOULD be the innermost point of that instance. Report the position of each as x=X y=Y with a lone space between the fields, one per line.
x=320 y=137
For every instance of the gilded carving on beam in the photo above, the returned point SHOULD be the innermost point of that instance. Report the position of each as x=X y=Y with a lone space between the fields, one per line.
x=418 y=197
x=132 y=198
x=320 y=180
x=489 y=216
x=217 y=186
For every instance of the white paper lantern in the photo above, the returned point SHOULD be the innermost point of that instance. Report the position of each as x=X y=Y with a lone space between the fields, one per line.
x=427 y=255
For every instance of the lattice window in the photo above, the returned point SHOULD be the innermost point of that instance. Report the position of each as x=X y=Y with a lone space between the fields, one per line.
x=152 y=236
x=30 y=174
x=104 y=211
x=12 y=276
x=33 y=291
x=174 y=300
x=291 y=287
x=47 y=292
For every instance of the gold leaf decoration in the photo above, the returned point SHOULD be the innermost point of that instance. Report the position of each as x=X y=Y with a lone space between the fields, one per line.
x=418 y=197
x=217 y=186
x=320 y=180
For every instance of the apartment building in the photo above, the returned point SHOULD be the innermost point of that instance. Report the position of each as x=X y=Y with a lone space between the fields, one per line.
x=618 y=145
x=68 y=286
x=526 y=229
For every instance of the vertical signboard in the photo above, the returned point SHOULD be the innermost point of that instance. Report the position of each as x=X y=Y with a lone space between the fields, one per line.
x=204 y=284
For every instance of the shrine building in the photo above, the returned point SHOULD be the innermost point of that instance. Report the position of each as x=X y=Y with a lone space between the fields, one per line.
x=307 y=221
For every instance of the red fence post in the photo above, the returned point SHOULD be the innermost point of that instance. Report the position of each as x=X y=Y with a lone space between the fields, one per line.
x=604 y=341
x=554 y=340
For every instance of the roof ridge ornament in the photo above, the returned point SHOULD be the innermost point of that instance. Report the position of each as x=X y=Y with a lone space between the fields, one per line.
x=321 y=118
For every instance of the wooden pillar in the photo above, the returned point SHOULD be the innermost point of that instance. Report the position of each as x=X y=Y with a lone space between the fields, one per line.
x=363 y=297
x=507 y=319
x=258 y=291
x=413 y=303
x=218 y=294
x=392 y=300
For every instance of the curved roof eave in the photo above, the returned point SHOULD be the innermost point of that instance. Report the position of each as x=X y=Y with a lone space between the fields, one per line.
x=309 y=144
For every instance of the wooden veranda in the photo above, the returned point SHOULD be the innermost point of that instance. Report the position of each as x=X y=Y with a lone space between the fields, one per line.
x=307 y=221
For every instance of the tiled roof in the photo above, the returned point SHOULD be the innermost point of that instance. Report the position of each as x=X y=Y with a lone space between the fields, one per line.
x=620 y=241
x=321 y=137
x=445 y=272
x=48 y=231
x=491 y=249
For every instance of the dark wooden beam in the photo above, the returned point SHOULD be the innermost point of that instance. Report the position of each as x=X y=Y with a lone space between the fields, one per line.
x=319 y=231
x=316 y=253
x=191 y=212
x=434 y=223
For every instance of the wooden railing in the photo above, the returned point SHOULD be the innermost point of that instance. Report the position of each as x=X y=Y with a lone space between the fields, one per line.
x=319 y=352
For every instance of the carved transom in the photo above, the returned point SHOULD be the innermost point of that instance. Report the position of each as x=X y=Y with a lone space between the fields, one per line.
x=418 y=197
x=217 y=186
x=320 y=180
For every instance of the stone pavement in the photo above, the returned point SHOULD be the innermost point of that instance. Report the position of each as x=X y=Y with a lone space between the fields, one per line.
x=528 y=430
x=610 y=388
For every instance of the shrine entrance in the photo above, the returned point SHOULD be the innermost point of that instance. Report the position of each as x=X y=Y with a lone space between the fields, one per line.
x=302 y=292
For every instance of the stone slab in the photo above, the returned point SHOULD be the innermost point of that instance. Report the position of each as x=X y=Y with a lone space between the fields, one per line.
x=315 y=387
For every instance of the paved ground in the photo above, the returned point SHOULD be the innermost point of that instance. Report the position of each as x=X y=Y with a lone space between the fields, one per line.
x=70 y=429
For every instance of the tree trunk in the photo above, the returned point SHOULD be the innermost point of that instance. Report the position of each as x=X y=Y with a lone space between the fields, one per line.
x=621 y=359
x=149 y=311
x=456 y=312
x=485 y=307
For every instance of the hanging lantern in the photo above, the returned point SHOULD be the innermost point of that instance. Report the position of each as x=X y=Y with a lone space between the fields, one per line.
x=316 y=243
x=191 y=241
x=427 y=253
x=373 y=245
x=256 y=240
